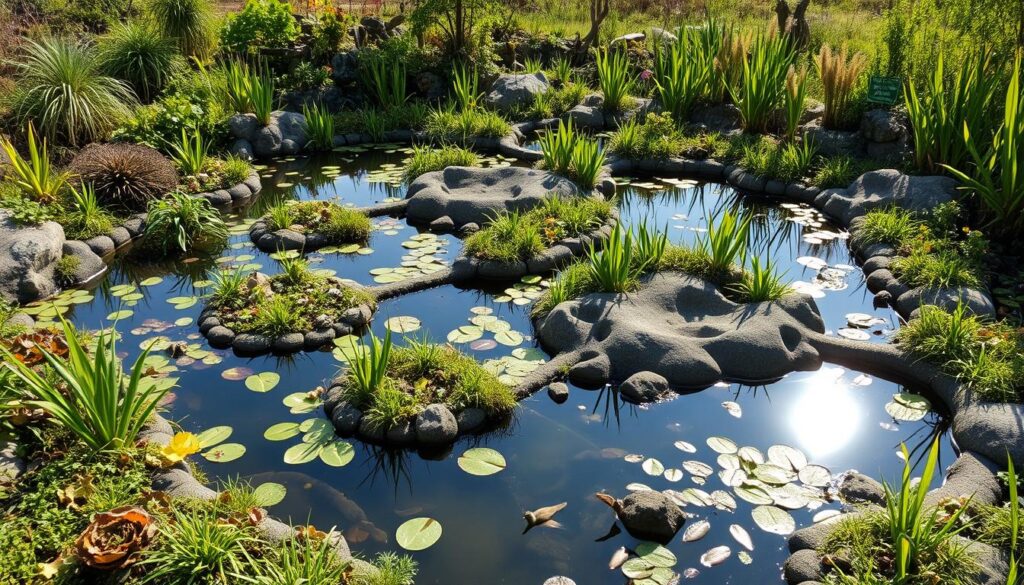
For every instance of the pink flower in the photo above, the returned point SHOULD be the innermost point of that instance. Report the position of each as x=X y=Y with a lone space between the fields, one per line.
x=646 y=74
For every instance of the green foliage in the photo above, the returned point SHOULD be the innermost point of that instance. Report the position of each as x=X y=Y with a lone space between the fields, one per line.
x=139 y=54
x=190 y=153
x=182 y=223
x=839 y=75
x=196 y=109
x=34 y=176
x=761 y=88
x=60 y=87
x=614 y=78
x=337 y=223
x=682 y=74
x=228 y=287
x=571 y=282
x=761 y=283
x=893 y=226
x=569 y=153
x=447 y=125
x=983 y=356
x=294 y=270
x=277 y=316
x=586 y=162
x=726 y=241
x=84 y=218
x=188 y=22
x=196 y=548
x=235 y=170
x=998 y=176
x=556 y=101
x=261 y=24
x=392 y=569
x=237 y=85
x=787 y=162
x=261 y=95
x=466 y=87
x=306 y=561
x=657 y=137
x=624 y=258
x=319 y=127
x=328 y=32
x=796 y=96
x=425 y=159
x=561 y=70
x=949 y=111
x=91 y=398
x=836 y=171
x=368 y=368
x=23 y=210
x=941 y=268
x=385 y=77
x=65 y=268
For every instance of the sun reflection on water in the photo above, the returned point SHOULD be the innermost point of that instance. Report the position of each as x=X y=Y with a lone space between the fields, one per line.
x=827 y=416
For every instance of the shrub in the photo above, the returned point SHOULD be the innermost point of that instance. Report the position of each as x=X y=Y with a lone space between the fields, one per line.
x=34 y=176
x=328 y=32
x=125 y=176
x=182 y=223
x=90 y=396
x=614 y=78
x=59 y=86
x=160 y=124
x=426 y=159
x=139 y=54
x=228 y=287
x=188 y=22
x=392 y=570
x=761 y=88
x=85 y=218
x=319 y=127
x=839 y=74
x=261 y=24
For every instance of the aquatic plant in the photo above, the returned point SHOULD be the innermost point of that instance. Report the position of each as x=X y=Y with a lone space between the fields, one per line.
x=182 y=223
x=557 y=146
x=368 y=367
x=796 y=95
x=425 y=159
x=34 y=176
x=90 y=396
x=392 y=569
x=681 y=75
x=656 y=137
x=760 y=91
x=614 y=78
x=835 y=171
x=374 y=123
x=939 y=268
x=839 y=73
x=61 y=89
x=261 y=96
x=294 y=269
x=466 y=87
x=892 y=225
x=611 y=268
x=238 y=85
x=586 y=163
x=532 y=65
x=125 y=176
x=998 y=176
x=84 y=217
x=190 y=153
x=141 y=55
x=761 y=283
x=195 y=547
x=277 y=316
x=726 y=241
x=448 y=125
x=319 y=127
x=386 y=78
x=306 y=561
x=228 y=287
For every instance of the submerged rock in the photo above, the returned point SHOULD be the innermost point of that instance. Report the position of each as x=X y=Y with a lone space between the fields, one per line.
x=644 y=387
x=648 y=515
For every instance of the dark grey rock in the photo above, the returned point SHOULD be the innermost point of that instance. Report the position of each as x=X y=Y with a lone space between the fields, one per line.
x=89 y=264
x=346 y=419
x=179 y=483
x=977 y=301
x=243 y=149
x=747 y=181
x=218 y=198
x=332 y=398
x=135 y=225
x=833 y=142
x=651 y=515
x=857 y=488
x=880 y=279
x=775 y=188
x=882 y=298
x=357 y=316
x=644 y=387
x=442 y=224
x=803 y=565
x=558 y=392
x=404 y=433
x=220 y=336
x=101 y=245
x=882 y=126
x=369 y=431
x=318 y=339
x=470 y=419
x=27 y=258
x=251 y=343
x=593 y=372
x=515 y=90
x=586 y=116
x=501 y=270
x=120 y=236
x=813 y=537
x=267 y=142
x=884 y=188
x=876 y=263
x=288 y=343
x=243 y=126
x=724 y=118
x=239 y=192
x=436 y=425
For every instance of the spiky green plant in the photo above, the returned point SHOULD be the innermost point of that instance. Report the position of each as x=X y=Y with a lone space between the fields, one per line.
x=188 y=22
x=238 y=85
x=796 y=96
x=60 y=87
x=319 y=127
x=761 y=283
x=368 y=366
x=586 y=162
x=562 y=69
x=532 y=65
x=262 y=98
x=557 y=146
x=141 y=55
x=614 y=78
x=191 y=153
x=726 y=241
x=34 y=176
x=611 y=268
x=299 y=561
x=85 y=218
x=761 y=88
x=197 y=548
x=90 y=396
x=294 y=269
x=466 y=87
x=681 y=76
x=228 y=286
x=182 y=223
x=386 y=77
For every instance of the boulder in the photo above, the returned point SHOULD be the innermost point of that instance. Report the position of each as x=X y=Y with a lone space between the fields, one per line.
x=857 y=488
x=470 y=419
x=884 y=188
x=436 y=425
x=243 y=126
x=644 y=387
x=27 y=258
x=516 y=90
x=89 y=264
x=977 y=301
x=882 y=126
x=346 y=419
x=558 y=392
x=651 y=515
x=833 y=142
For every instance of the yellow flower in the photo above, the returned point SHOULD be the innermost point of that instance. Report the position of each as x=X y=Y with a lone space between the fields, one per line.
x=181 y=446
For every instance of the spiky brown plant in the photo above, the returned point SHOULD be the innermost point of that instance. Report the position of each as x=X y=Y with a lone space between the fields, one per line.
x=839 y=73
x=125 y=176
x=730 y=59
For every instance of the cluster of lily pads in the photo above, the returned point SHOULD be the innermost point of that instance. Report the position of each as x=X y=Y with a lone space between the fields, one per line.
x=423 y=258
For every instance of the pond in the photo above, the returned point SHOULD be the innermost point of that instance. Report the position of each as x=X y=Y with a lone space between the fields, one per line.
x=555 y=452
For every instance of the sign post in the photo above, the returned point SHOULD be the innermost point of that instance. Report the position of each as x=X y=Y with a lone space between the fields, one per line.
x=884 y=90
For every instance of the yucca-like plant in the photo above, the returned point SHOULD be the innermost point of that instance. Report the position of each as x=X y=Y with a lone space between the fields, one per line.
x=939 y=114
x=191 y=153
x=762 y=86
x=614 y=78
x=998 y=176
x=839 y=73
x=761 y=283
x=562 y=69
x=586 y=162
x=34 y=176
x=319 y=127
x=681 y=75
x=466 y=87
x=139 y=54
x=261 y=96
x=89 y=395
x=726 y=241
x=368 y=366
x=188 y=22
x=238 y=86
x=648 y=248
x=60 y=87
x=796 y=96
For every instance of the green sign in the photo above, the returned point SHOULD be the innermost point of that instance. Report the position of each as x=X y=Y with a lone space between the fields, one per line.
x=884 y=90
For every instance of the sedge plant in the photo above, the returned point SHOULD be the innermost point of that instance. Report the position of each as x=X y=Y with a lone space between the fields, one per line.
x=368 y=366
x=726 y=241
x=91 y=396
x=761 y=283
x=796 y=96
x=190 y=153
x=557 y=147
x=387 y=80
x=612 y=267
x=585 y=163
x=261 y=96
x=34 y=175
x=680 y=75
x=614 y=78
x=237 y=86
x=839 y=73
x=761 y=87
x=466 y=87
x=319 y=127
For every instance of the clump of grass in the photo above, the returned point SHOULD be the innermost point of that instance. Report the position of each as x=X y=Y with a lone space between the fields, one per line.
x=941 y=269
x=447 y=125
x=511 y=237
x=760 y=89
x=338 y=223
x=796 y=95
x=984 y=356
x=835 y=171
x=839 y=73
x=181 y=223
x=572 y=154
x=657 y=137
x=235 y=170
x=726 y=241
x=426 y=159
x=195 y=547
x=466 y=87
x=761 y=283
x=556 y=101
x=614 y=78
x=392 y=569
x=319 y=127
x=893 y=226
x=311 y=560
x=625 y=257
x=84 y=218
x=65 y=269
x=277 y=316
x=787 y=162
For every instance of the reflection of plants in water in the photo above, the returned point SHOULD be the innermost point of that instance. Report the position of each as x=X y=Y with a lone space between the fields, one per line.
x=609 y=402
x=391 y=464
x=919 y=442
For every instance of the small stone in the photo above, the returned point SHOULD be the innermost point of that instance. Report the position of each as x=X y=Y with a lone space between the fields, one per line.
x=470 y=419
x=221 y=336
x=644 y=387
x=251 y=343
x=559 y=581
x=346 y=419
x=288 y=343
x=436 y=425
x=558 y=392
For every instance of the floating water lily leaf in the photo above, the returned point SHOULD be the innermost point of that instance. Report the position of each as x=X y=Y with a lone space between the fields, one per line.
x=733 y=408
x=263 y=381
x=653 y=467
x=510 y=338
x=815 y=475
x=853 y=334
x=696 y=531
x=787 y=457
x=744 y=557
x=741 y=536
x=404 y=324
x=282 y=431
x=825 y=515
x=773 y=519
x=183 y=321
x=236 y=373
x=773 y=474
x=900 y=411
x=418 y=533
x=337 y=453
x=214 y=436
x=912 y=401
x=750 y=455
x=656 y=554
x=639 y=487
x=673 y=474
x=269 y=494
x=302 y=453
x=151 y=281
x=482 y=461
x=685 y=447
x=224 y=453
x=723 y=500
x=118 y=315
x=465 y=334
x=715 y=556
x=637 y=568
x=721 y=445
x=753 y=494
x=318 y=430
x=698 y=468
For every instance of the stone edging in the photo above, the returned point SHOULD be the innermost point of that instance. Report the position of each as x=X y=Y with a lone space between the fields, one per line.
x=287 y=239
x=236 y=194
x=252 y=344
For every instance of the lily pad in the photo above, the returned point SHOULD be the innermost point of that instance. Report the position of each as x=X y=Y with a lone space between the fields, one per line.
x=715 y=556
x=741 y=536
x=214 y=436
x=773 y=519
x=656 y=554
x=404 y=324
x=118 y=315
x=262 y=382
x=337 y=453
x=224 y=453
x=236 y=373
x=302 y=453
x=482 y=461
x=721 y=445
x=418 y=534
x=653 y=467
x=269 y=494
x=282 y=431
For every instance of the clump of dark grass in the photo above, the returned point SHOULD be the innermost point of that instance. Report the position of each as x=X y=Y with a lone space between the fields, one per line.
x=425 y=159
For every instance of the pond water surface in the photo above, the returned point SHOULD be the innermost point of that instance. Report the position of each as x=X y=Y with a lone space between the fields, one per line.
x=555 y=452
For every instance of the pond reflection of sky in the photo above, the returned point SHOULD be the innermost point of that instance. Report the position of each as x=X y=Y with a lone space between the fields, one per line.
x=555 y=452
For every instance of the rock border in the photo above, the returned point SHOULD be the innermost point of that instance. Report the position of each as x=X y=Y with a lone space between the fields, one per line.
x=288 y=239
x=251 y=344
x=235 y=194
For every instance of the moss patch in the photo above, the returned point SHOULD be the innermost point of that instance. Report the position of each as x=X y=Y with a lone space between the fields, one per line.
x=339 y=224
x=427 y=159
